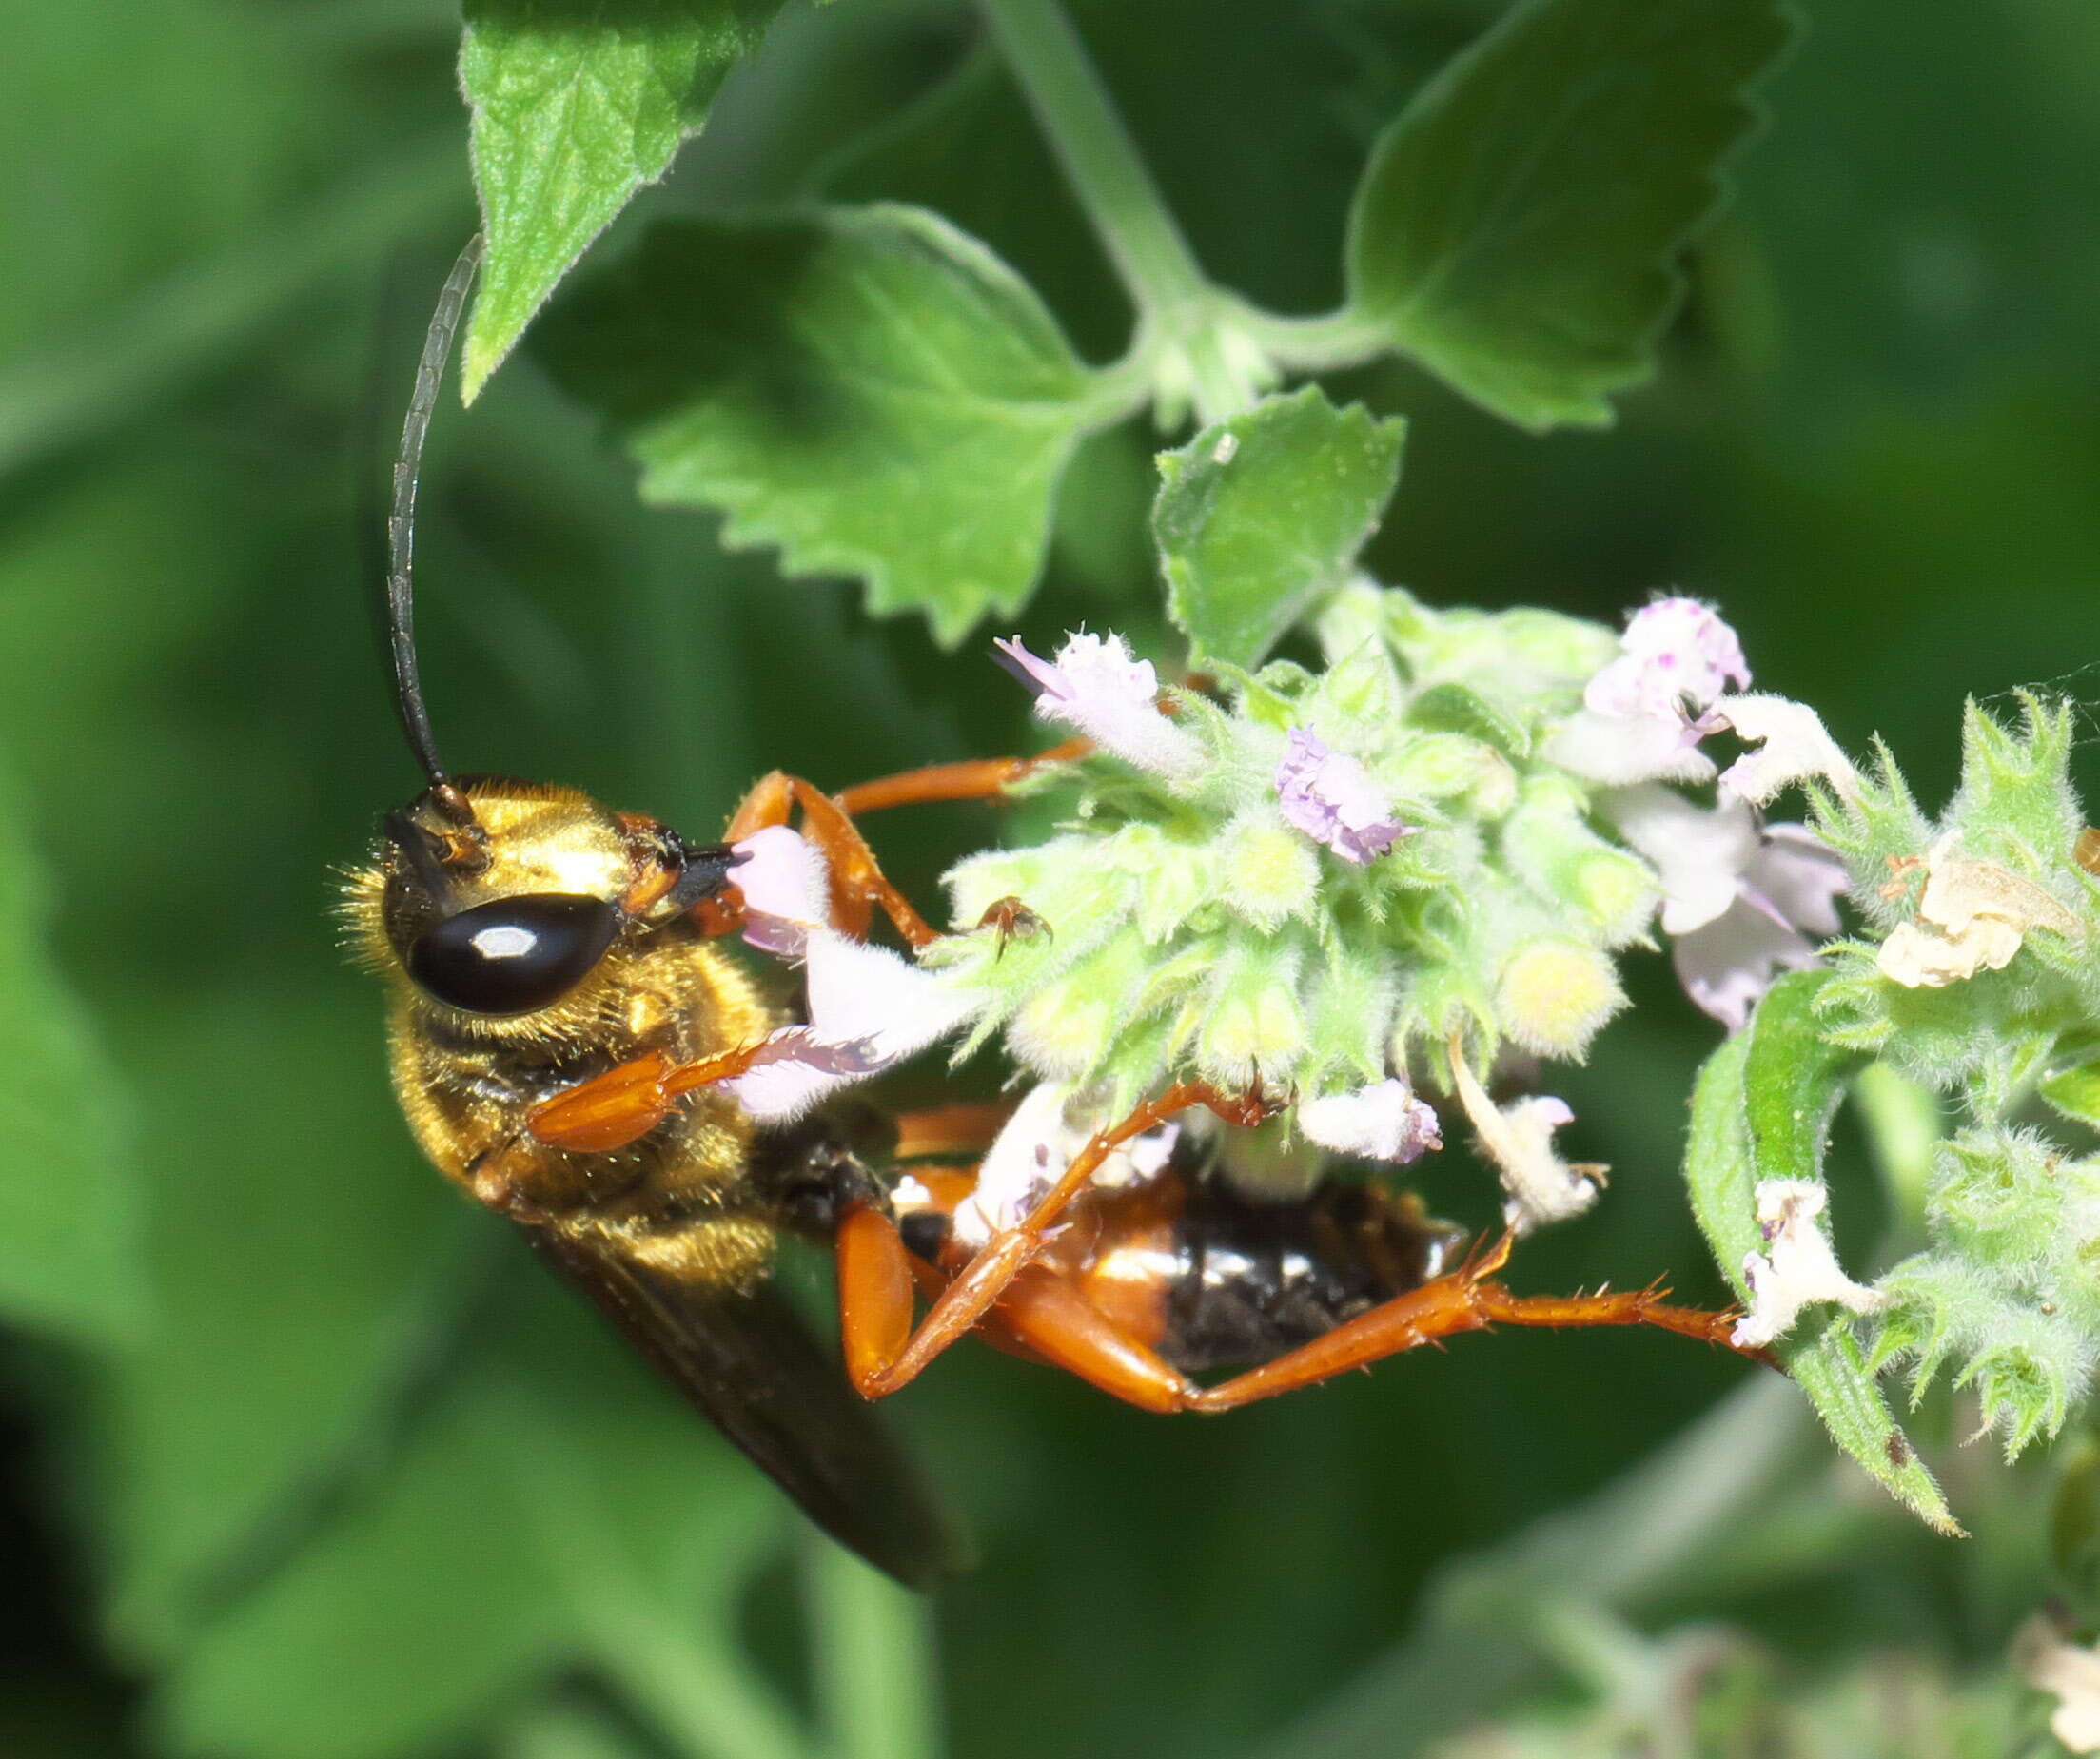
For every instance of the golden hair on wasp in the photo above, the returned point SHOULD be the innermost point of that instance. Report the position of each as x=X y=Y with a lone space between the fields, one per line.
x=531 y=940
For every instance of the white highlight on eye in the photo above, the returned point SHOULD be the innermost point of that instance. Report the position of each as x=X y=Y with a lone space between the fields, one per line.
x=506 y=941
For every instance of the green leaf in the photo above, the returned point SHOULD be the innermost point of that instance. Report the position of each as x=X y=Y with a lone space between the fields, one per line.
x=1516 y=228
x=68 y=1201
x=1794 y=1079
x=2075 y=1092
x=1760 y=1111
x=867 y=388
x=1261 y=516
x=576 y=106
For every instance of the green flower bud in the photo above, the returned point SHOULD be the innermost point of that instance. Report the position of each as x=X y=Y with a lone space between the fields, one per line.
x=1468 y=774
x=1253 y=1025
x=1173 y=876
x=1548 y=846
x=1070 y=1025
x=1553 y=994
x=1268 y=872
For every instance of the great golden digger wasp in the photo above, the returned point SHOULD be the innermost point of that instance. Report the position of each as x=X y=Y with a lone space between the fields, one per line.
x=567 y=1034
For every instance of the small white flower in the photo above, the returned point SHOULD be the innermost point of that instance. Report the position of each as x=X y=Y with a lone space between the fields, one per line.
x=786 y=889
x=1620 y=750
x=1971 y=916
x=1043 y=1138
x=1740 y=901
x=1644 y=713
x=1383 y=1122
x=1676 y=657
x=1331 y=797
x=1098 y=689
x=859 y=993
x=1795 y=746
x=1540 y=1186
x=2071 y=1673
x=1797 y=1267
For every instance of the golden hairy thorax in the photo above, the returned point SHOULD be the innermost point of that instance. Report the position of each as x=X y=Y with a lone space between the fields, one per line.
x=677 y=1200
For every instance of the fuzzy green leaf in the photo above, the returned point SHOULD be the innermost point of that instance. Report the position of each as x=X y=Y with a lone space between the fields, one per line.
x=2075 y=1092
x=1760 y=1111
x=576 y=106
x=1261 y=516
x=867 y=388
x=1518 y=226
x=1792 y=1082
x=68 y=1201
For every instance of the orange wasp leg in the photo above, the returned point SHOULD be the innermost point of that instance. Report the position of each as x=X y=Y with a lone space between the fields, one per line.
x=1039 y=1316
x=965 y=1303
x=982 y=778
x=1056 y=1323
x=858 y=886
x=628 y=1100
x=1462 y=1302
x=858 y=882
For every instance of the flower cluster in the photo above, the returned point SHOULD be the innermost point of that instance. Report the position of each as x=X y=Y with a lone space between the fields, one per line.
x=1404 y=869
x=1341 y=885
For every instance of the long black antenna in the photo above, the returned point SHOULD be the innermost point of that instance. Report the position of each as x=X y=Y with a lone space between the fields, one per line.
x=400 y=522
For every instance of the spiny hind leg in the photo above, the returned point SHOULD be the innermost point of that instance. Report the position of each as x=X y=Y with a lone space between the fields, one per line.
x=1462 y=1302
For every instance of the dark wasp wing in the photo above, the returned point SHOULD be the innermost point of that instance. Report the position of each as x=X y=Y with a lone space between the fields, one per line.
x=745 y=1359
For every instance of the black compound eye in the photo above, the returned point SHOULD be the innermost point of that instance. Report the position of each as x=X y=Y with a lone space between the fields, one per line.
x=515 y=955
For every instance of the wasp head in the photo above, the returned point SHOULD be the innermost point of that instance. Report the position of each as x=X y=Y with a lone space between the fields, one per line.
x=497 y=899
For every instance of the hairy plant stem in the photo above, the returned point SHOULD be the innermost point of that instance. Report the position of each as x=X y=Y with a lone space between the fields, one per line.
x=1187 y=326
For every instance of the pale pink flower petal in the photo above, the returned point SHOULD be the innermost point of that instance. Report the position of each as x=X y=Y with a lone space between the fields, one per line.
x=1331 y=797
x=1798 y=1268
x=1697 y=853
x=1736 y=897
x=859 y=993
x=1097 y=688
x=1794 y=747
x=1797 y=877
x=786 y=890
x=1383 y=1122
x=869 y=1010
x=1620 y=751
x=1045 y=1135
x=1727 y=964
x=1644 y=713
x=1676 y=655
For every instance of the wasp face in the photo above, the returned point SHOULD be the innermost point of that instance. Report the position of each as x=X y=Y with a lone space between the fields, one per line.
x=499 y=899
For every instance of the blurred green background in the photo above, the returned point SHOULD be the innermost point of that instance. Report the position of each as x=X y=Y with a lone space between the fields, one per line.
x=306 y=1461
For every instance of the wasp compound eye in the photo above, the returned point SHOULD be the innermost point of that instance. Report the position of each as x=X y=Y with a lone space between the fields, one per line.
x=515 y=955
